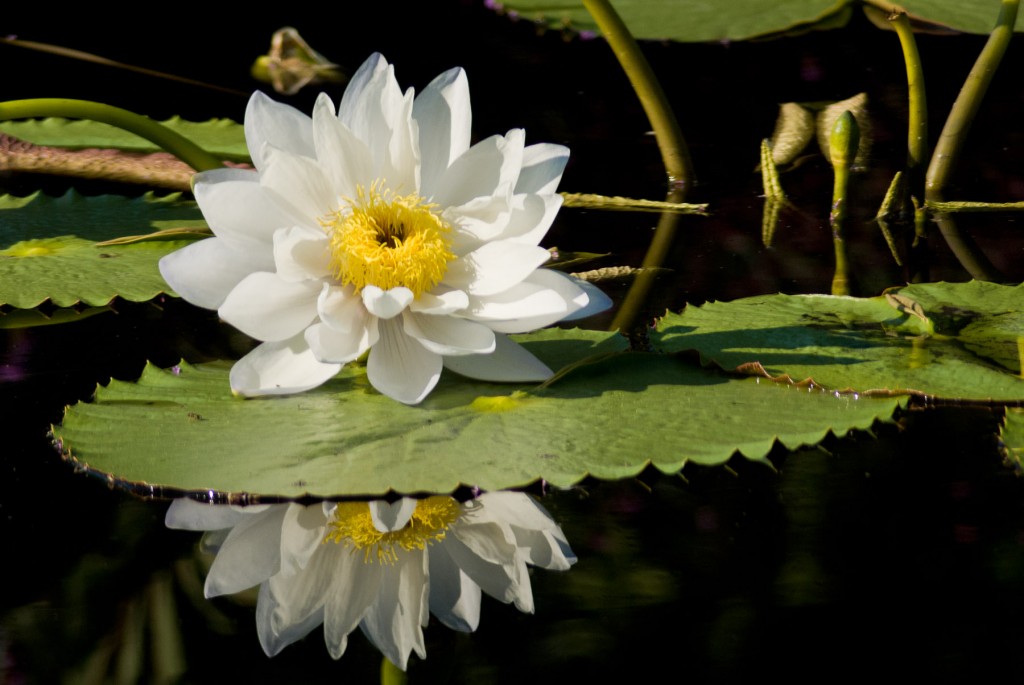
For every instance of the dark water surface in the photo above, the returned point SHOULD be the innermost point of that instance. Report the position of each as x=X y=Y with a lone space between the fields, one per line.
x=898 y=551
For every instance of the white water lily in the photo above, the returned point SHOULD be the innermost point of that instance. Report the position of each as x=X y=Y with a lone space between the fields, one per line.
x=384 y=567
x=378 y=227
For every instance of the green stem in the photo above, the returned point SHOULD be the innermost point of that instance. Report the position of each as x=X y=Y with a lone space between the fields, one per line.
x=165 y=138
x=951 y=141
x=628 y=315
x=843 y=142
x=674 y=152
x=391 y=674
x=917 y=129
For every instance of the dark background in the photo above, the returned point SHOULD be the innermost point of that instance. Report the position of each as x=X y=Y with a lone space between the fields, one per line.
x=897 y=551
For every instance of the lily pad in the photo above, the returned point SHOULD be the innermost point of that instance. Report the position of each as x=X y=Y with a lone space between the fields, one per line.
x=912 y=340
x=221 y=137
x=1012 y=438
x=182 y=428
x=700 y=20
x=49 y=250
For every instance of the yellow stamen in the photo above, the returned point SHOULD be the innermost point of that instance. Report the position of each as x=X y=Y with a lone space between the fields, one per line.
x=352 y=525
x=388 y=240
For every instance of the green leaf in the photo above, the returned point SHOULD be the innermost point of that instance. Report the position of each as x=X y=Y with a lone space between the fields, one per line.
x=693 y=20
x=874 y=345
x=700 y=20
x=220 y=137
x=1012 y=438
x=49 y=251
x=182 y=428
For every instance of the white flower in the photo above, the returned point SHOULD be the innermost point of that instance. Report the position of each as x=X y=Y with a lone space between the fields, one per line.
x=379 y=228
x=383 y=567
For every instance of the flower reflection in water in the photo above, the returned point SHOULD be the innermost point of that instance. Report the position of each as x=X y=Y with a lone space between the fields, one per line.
x=384 y=567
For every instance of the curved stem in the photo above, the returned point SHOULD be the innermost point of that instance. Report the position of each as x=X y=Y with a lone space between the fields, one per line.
x=917 y=129
x=951 y=141
x=674 y=152
x=179 y=146
x=629 y=312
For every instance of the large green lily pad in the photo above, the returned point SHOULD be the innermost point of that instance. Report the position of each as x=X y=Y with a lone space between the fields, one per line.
x=945 y=340
x=49 y=250
x=700 y=20
x=183 y=429
x=221 y=137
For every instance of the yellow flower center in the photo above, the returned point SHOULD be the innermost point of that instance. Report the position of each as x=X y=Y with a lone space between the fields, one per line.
x=352 y=525
x=388 y=240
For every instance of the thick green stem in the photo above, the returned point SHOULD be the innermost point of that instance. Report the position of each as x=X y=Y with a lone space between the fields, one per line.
x=951 y=141
x=177 y=145
x=674 y=152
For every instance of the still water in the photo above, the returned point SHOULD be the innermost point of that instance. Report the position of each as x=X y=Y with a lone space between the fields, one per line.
x=900 y=549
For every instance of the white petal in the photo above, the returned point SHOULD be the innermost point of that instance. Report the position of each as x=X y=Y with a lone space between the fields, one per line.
x=341 y=309
x=204 y=272
x=280 y=368
x=597 y=301
x=240 y=211
x=355 y=587
x=440 y=302
x=391 y=516
x=394 y=621
x=444 y=116
x=374 y=66
x=509 y=363
x=284 y=127
x=489 y=168
x=301 y=253
x=538 y=537
x=344 y=159
x=386 y=304
x=276 y=630
x=532 y=216
x=301 y=535
x=542 y=299
x=250 y=554
x=333 y=346
x=449 y=335
x=400 y=367
x=188 y=514
x=378 y=113
x=542 y=168
x=298 y=184
x=504 y=578
x=479 y=220
x=454 y=597
x=268 y=308
x=494 y=267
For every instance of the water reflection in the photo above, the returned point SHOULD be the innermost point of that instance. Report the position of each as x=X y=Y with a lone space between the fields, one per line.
x=381 y=566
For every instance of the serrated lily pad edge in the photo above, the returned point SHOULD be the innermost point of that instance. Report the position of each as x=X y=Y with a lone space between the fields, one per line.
x=147 y=490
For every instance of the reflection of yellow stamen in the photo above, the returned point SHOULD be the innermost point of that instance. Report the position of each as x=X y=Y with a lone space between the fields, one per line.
x=498 y=403
x=352 y=525
x=388 y=240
